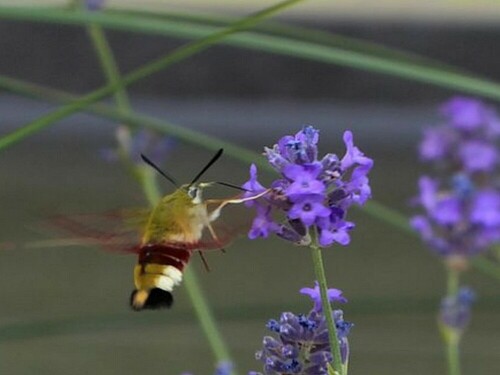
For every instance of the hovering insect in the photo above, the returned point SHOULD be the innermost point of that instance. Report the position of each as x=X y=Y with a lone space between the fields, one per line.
x=171 y=232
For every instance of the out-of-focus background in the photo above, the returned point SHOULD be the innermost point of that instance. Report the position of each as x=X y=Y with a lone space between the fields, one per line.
x=64 y=310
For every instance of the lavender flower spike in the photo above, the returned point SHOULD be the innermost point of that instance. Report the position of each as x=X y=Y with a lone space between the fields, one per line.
x=455 y=312
x=461 y=203
x=302 y=346
x=311 y=195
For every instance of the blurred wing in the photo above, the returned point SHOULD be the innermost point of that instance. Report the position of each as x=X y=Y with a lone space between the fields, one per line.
x=118 y=230
x=234 y=221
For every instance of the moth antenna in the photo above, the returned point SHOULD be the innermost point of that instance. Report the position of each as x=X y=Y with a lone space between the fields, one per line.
x=232 y=186
x=204 y=260
x=157 y=169
x=209 y=164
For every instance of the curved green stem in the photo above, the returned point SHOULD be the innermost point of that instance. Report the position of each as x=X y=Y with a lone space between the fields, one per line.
x=205 y=316
x=319 y=270
x=452 y=341
x=109 y=65
x=452 y=281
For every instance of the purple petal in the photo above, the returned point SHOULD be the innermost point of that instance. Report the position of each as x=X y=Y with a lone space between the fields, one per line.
x=436 y=143
x=307 y=210
x=422 y=226
x=334 y=295
x=465 y=113
x=486 y=208
x=353 y=154
x=448 y=210
x=478 y=156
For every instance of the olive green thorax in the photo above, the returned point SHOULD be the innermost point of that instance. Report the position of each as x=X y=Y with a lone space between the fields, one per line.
x=174 y=217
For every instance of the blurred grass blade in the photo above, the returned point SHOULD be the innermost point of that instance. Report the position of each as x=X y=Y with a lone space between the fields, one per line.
x=157 y=65
x=416 y=69
x=297 y=33
x=375 y=209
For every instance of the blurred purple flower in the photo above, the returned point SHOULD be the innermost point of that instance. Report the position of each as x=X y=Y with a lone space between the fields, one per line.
x=143 y=141
x=465 y=113
x=455 y=312
x=302 y=346
x=94 y=4
x=315 y=193
x=462 y=203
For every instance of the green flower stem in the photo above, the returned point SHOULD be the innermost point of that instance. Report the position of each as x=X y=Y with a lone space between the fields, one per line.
x=109 y=66
x=453 y=355
x=319 y=270
x=453 y=281
x=452 y=340
x=205 y=316
x=155 y=66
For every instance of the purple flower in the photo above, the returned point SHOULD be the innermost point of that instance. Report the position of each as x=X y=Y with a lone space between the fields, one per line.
x=485 y=209
x=478 y=156
x=315 y=193
x=465 y=113
x=461 y=203
x=334 y=295
x=304 y=180
x=302 y=345
x=455 y=310
x=262 y=224
x=142 y=141
x=307 y=209
x=94 y=4
x=353 y=155
x=436 y=143
x=252 y=186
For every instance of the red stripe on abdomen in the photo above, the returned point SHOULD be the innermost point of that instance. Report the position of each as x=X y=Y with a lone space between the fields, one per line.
x=166 y=255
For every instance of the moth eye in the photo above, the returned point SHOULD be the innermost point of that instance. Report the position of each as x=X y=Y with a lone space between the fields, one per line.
x=192 y=192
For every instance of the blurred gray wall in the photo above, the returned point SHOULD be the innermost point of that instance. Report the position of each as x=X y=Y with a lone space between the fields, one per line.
x=61 y=56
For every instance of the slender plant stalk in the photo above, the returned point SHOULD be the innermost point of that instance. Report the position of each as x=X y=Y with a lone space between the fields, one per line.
x=109 y=66
x=452 y=341
x=150 y=189
x=155 y=66
x=319 y=270
x=205 y=316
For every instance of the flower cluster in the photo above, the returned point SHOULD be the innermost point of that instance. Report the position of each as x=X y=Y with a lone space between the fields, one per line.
x=462 y=205
x=455 y=310
x=311 y=192
x=302 y=346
